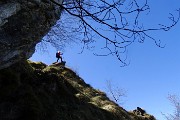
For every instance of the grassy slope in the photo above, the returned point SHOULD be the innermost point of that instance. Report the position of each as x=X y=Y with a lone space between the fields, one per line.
x=34 y=91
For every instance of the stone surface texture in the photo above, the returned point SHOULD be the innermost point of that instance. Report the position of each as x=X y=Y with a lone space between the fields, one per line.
x=23 y=23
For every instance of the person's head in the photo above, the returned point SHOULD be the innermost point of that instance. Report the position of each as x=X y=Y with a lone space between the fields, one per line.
x=58 y=51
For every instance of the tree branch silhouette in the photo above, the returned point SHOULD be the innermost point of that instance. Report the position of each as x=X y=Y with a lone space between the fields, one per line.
x=116 y=23
x=175 y=101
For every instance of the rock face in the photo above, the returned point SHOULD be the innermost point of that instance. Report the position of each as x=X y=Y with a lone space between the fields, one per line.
x=35 y=91
x=23 y=23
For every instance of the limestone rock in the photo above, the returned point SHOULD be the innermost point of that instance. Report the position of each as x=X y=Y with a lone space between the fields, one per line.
x=22 y=25
x=8 y=10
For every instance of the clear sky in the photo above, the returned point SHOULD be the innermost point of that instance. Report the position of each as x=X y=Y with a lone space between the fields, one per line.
x=153 y=72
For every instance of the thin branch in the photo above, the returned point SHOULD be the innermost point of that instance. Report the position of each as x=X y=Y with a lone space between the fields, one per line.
x=111 y=18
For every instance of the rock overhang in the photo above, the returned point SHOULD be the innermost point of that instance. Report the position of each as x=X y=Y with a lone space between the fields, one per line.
x=22 y=26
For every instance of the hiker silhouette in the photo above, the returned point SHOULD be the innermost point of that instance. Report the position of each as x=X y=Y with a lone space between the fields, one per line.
x=58 y=56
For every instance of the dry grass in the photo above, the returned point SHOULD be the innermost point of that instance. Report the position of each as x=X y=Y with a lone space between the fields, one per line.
x=35 y=91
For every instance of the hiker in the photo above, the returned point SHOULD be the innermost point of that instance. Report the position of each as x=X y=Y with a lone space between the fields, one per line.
x=58 y=55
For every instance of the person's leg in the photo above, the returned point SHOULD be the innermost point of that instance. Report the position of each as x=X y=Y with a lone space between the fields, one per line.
x=61 y=59
x=57 y=59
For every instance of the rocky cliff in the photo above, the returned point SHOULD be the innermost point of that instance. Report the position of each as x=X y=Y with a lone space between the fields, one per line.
x=35 y=91
x=23 y=23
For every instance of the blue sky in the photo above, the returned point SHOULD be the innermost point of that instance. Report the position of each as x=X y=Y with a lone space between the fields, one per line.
x=153 y=72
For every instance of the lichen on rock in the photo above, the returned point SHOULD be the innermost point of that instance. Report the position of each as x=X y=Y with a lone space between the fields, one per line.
x=8 y=10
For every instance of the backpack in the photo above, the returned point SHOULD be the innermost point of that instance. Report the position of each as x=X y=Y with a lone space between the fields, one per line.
x=57 y=55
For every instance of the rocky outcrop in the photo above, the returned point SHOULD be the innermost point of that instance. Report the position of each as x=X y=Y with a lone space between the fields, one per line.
x=35 y=91
x=23 y=23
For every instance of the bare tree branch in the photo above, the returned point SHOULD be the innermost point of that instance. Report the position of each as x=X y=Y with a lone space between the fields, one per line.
x=174 y=99
x=114 y=92
x=111 y=22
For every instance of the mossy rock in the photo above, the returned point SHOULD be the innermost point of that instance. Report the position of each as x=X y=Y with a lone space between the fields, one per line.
x=35 y=91
x=37 y=65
